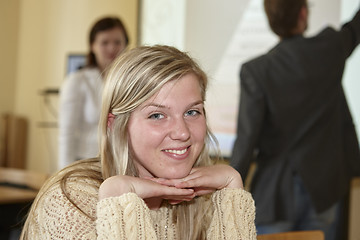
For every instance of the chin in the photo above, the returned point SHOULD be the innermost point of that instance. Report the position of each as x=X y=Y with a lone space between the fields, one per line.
x=176 y=174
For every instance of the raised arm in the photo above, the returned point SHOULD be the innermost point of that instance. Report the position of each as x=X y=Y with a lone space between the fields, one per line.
x=350 y=33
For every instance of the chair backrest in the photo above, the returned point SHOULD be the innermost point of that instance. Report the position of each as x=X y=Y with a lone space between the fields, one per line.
x=296 y=235
x=13 y=141
x=354 y=209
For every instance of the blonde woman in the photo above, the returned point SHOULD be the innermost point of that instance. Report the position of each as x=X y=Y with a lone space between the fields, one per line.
x=154 y=178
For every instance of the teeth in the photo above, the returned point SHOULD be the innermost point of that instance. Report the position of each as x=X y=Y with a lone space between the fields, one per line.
x=179 y=152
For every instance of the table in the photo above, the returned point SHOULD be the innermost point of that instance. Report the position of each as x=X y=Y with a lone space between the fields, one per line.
x=18 y=189
x=19 y=185
x=9 y=195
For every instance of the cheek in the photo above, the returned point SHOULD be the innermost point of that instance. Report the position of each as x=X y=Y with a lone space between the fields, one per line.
x=198 y=133
x=135 y=138
x=97 y=47
x=199 y=130
x=144 y=138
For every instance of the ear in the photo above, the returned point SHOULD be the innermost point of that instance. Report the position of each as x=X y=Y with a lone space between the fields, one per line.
x=302 y=23
x=303 y=14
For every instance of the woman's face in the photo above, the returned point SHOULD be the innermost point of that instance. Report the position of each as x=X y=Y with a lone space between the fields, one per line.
x=107 y=45
x=166 y=133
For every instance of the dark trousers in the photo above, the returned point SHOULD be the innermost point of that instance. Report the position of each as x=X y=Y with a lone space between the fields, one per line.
x=306 y=216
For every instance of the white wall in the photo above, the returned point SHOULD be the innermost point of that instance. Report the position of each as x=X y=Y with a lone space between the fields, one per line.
x=9 y=25
x=162 y=22
x=352 y=70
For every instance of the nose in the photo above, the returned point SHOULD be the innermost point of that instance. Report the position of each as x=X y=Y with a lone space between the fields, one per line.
x=180 y=129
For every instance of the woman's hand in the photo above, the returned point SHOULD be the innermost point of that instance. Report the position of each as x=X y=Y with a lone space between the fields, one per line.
x=205 y=180
x=144 y=188
x=200 y=181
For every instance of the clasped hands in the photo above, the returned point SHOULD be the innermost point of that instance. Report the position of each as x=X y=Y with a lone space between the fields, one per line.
x=200 y=181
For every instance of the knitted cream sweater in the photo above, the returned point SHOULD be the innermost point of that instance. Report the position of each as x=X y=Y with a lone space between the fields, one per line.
x=128 y=217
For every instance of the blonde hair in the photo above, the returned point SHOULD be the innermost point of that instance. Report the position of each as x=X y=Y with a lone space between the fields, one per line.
x=132 y=79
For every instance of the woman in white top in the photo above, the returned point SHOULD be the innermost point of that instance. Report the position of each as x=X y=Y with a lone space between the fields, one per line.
x=80 y=96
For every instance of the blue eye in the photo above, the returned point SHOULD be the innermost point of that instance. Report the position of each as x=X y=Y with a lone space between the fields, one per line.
x=192 y=113
x=156 y=116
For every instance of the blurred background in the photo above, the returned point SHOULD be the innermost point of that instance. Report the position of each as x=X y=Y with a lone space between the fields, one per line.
x=39 y=38
x=43 y=40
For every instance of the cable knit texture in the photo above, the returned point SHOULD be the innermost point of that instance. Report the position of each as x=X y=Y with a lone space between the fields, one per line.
x=128 y=217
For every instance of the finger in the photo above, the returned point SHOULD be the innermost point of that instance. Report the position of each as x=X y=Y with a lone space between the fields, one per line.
x=200 y=181
x=153 y=189
x=177 y=200
x=162 y=181
x=179 y=193
x=194 y=170
x=174 y=202
x=203 y=191
x=169 y=182
x=195 y=173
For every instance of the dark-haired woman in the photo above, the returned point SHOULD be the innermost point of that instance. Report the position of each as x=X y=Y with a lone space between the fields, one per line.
x=80 y=96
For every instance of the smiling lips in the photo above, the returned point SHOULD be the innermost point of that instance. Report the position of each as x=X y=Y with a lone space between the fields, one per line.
x=178 y=152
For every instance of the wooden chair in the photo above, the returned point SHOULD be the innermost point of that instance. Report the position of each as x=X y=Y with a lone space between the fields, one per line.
x=13 y=141
x=354 y=209
x=18 y=189
x=19 y=185
x=296 y=235
x=22 y=177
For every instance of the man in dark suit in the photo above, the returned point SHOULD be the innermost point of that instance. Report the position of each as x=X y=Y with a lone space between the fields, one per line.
x=294 y=122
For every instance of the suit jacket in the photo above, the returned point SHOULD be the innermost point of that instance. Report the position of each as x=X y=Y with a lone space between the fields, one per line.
x=294 y=119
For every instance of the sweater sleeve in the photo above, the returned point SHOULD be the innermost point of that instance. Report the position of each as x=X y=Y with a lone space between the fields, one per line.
x=124 y=217
x=234 y=215
x=55 y=217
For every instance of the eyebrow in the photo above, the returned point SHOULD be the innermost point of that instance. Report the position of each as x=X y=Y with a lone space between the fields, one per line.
x=163 y=106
